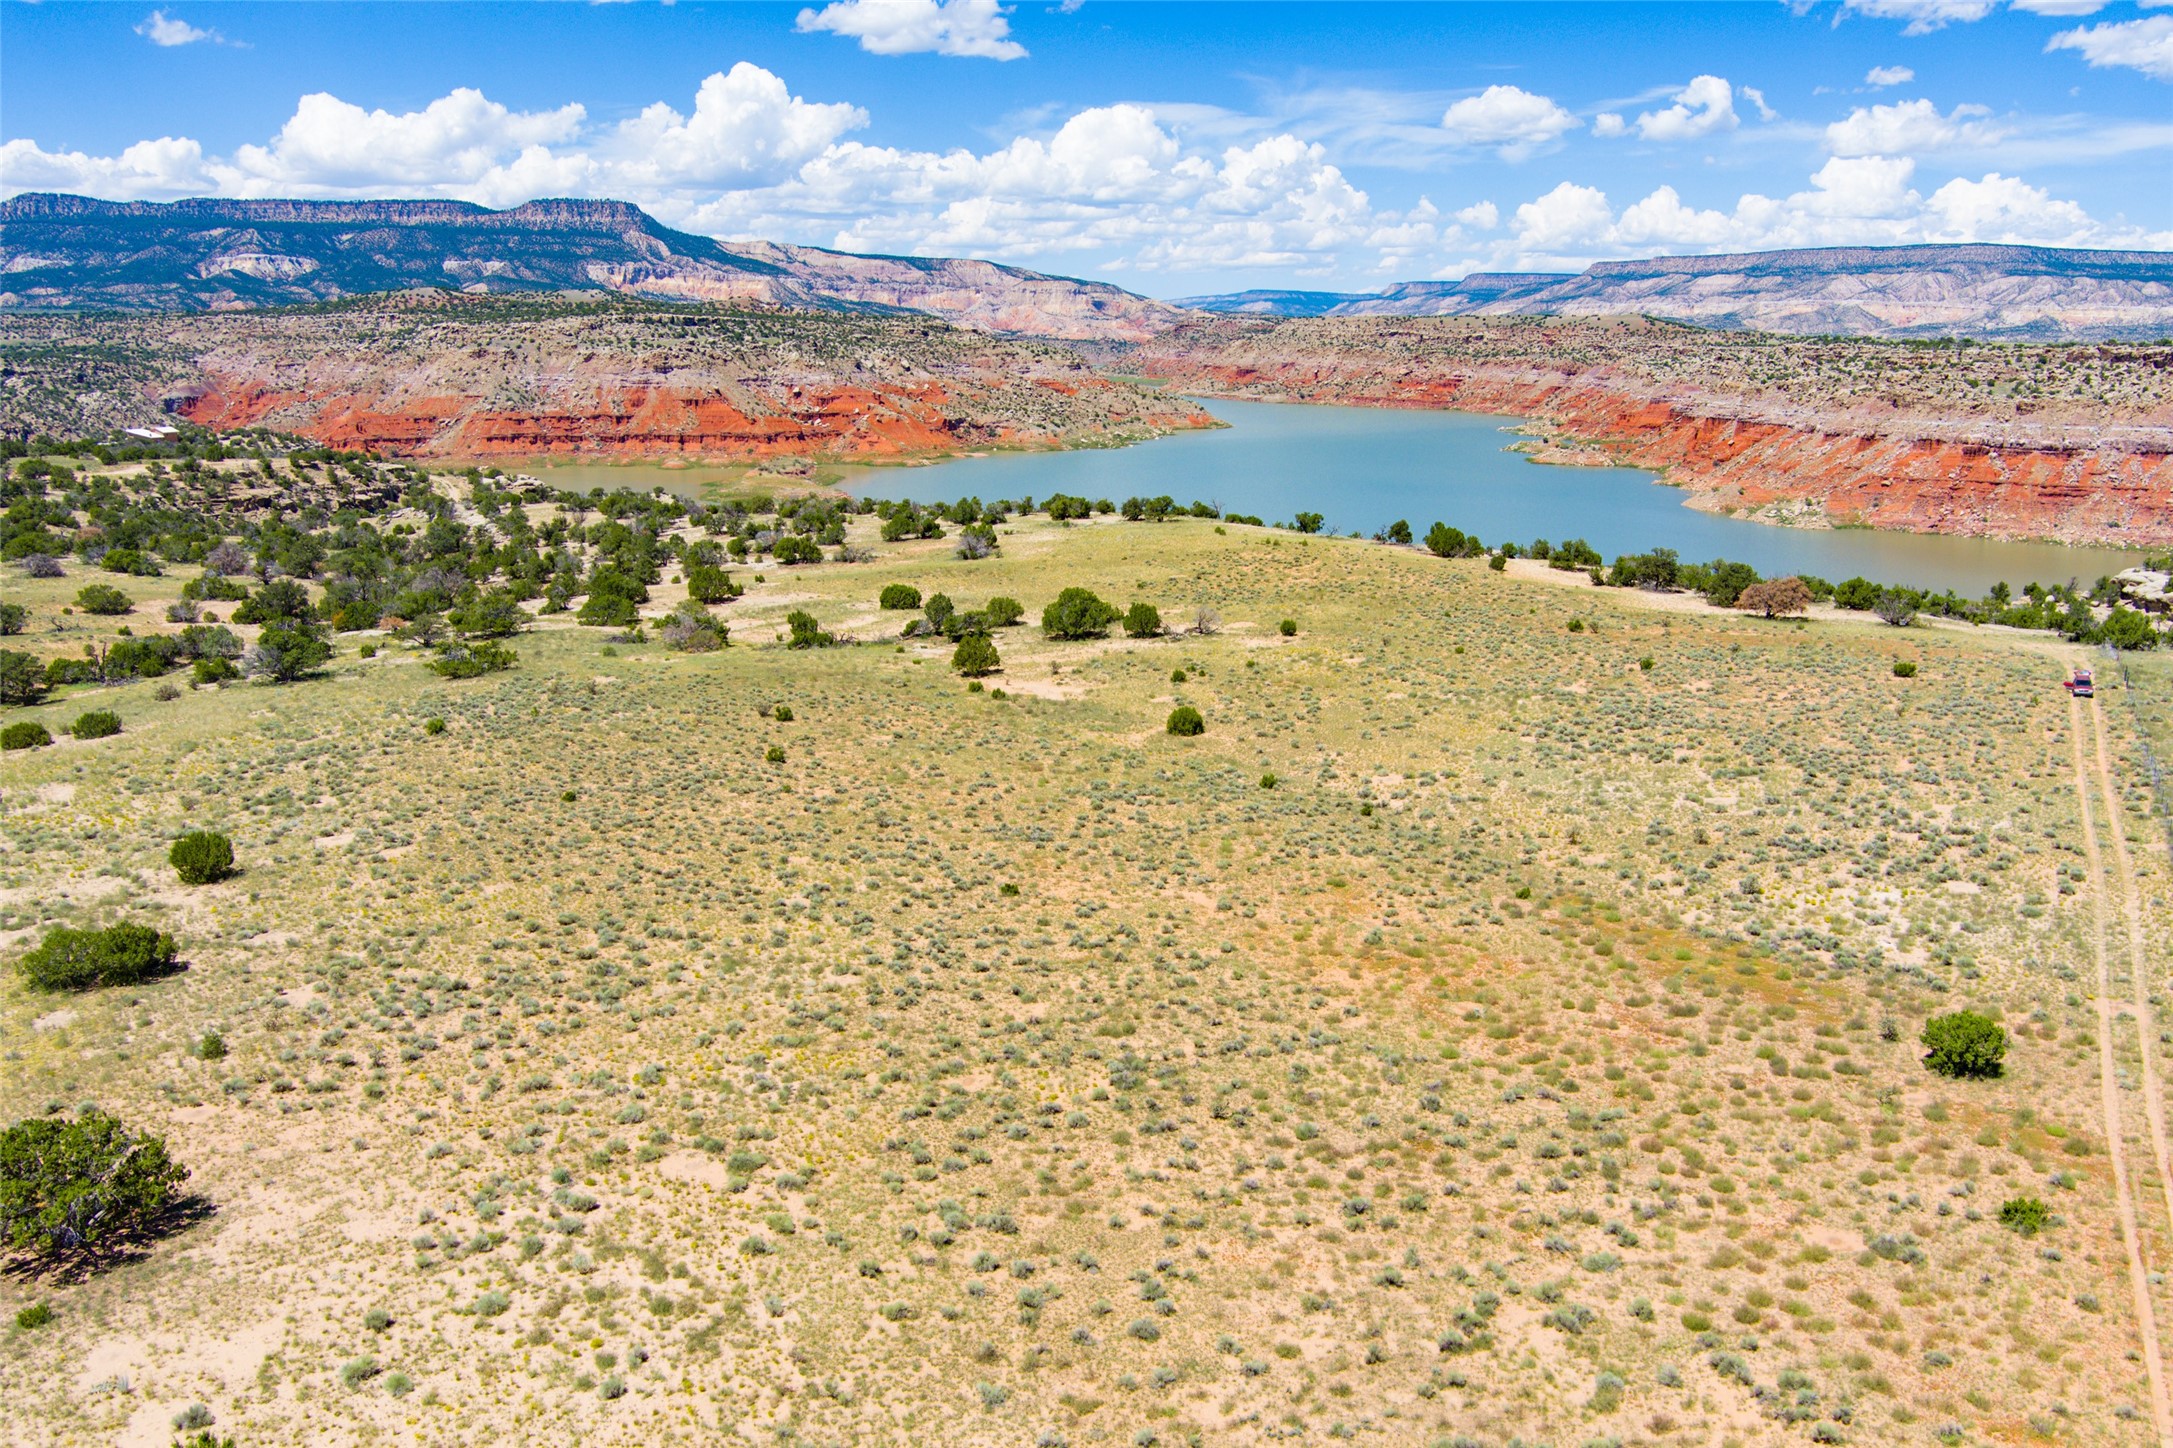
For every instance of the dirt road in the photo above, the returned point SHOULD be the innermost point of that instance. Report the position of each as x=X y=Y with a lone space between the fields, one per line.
x=2083 y=722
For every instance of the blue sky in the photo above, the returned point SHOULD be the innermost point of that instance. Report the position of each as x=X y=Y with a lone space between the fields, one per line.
x=1173 y=148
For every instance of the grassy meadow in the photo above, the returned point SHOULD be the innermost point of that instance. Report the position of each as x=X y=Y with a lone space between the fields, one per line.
x=1500 y=1026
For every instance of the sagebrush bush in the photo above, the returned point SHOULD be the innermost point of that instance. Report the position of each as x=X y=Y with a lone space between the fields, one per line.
x=2026 y=1215
x=201 y=857
x=95 y=724
x=71 y=959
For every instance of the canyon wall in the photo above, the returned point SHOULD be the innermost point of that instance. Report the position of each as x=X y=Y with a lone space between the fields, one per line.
x=440 y=375
x=1827 y=436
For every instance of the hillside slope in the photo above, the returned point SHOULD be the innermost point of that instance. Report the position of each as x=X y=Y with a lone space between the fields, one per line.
x=438 y=374
x=2013 y=442
x=71 y=252
x=2008 y=292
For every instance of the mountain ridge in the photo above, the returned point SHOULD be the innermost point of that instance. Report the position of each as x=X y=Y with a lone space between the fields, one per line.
x=1994 y=292
x=66 y=253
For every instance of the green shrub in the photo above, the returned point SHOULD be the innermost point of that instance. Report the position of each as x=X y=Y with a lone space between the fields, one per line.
x=14 y=618
x=975 y=657
x=1185 y=722
x=1904 y=669
x=471 y=661
x=2026 y=1215
x=607 y=610
x=433 y=725
x=1142 y=621
x=25 y=734
x=782 y=713
x=805 y=632
x=1003 y=612
x=210 y=1046
x=796 y=548
x=492 y=614
x=1270 y=780
x=37 y=1314
x=202 y=857
x=288 y=651
x=1288 y=628
x=775 y=754
x=900 y=596
x=67 y=1186
x=95 y=724
x=21 y=680
x=1964 y=1043
x=71 y=959
x=707 y=583
x=104 y=599
x=214 y=670
x=1077 y=614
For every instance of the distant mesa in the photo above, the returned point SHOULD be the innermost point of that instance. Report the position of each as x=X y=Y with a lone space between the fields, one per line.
x=2007 y=293
x=75 y=253
x=61 y=253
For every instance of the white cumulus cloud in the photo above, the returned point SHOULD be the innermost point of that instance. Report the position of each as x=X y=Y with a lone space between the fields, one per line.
x=167 y=167
x=2145 y=45
x=1924 y=16
x=1886 y=75
x=1851 y=201
x=1121 y=190
x=2060 y=7
x=1509 y=117
x=907 y=27
x=1702 y=107
x=170 y=30
x=330 y=146
x=1908 y=127
x=747 y=129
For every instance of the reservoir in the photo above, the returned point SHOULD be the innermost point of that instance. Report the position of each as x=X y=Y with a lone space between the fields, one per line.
x=1364 y=468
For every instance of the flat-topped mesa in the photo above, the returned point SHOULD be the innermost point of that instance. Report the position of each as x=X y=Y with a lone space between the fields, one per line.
x=71 y=252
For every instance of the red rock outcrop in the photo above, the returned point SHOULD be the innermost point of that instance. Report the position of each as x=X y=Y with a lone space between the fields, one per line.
x=486 y=378
x=1739 y=451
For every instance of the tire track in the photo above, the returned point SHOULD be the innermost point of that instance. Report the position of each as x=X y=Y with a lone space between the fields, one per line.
x=2109 y=1090
x=2140 y=974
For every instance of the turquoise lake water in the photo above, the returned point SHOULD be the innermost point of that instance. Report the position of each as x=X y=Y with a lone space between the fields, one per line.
x=1364 y=468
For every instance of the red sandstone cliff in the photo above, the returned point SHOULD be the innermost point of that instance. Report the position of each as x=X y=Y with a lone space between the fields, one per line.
x=440 y=376
x=1867 y=443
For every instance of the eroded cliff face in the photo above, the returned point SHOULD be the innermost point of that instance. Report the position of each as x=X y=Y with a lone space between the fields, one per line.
x=438 y=376
x=1789 y=443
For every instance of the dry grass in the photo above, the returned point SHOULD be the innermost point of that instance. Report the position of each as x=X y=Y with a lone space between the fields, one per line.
x=1540 y=1009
